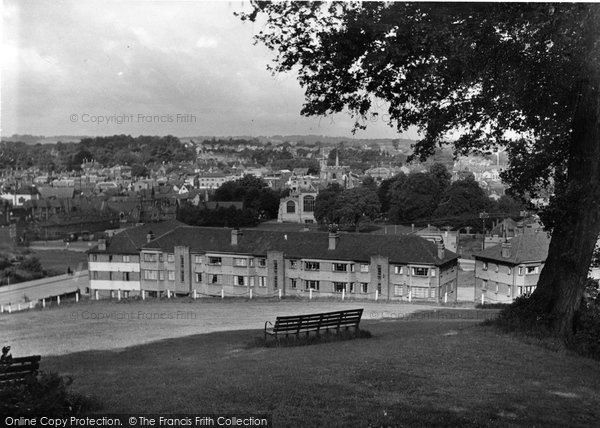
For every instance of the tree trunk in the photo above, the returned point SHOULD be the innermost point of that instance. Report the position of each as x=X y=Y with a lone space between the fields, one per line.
x=562 y=281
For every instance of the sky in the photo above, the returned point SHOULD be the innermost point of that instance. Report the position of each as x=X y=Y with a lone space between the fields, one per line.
x=184 y=68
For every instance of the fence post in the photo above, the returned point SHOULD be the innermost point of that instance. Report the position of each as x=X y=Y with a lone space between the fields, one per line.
x=279 y=292
x=96 y=294
x=43 y=303
x=250 y=294
x=143 y=294
x=222 y=293
x=58 y=300
x=310 y=294
x=77 y=297
x=446 y=297
x=376 y=295
x=194 y=294
x=343 y=295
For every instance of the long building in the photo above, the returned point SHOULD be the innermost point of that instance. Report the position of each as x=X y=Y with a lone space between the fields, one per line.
x=215 y=261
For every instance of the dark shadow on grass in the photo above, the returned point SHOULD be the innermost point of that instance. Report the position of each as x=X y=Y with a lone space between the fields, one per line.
x=304 y=340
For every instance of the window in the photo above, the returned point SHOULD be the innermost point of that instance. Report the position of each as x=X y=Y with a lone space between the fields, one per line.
x=532 y=270
x=290 y=207
x=240 y=262
x=170 y=258
x=160 y=257
x=510 y=271
x=251 y=262
x=150 y=257
x=126 y=259
x=485 y=266
x=484 y=284
x=364 y=287
x=419 y=271
x=351 y=287
x=293 y=283
x=182 y=269
x=215 y=261
x=150 y=274
x=309 y=204
x=240 y=281
x=251 y=281
x=94 y=257
x=338 y=287
x=497 y=268
x=520 y=270
x=433 y=272
x=519 y=291
x=312 y=265
x=95 y=275
x=213 y=279
x=312 y=285
x=364 y=268
x=262 y=281
x=378 y=271
x=171 y=275
x=398 y=270
x=198 y=277
x=198 y=260
x=339 y=267
x=293 y=264
x=125 y=276
x=110 y=257
x=161 y=275
x=398 y=290
x=262 y=263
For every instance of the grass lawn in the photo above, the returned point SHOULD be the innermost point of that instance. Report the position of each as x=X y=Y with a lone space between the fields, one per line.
x=441 y=372
x=59 y=260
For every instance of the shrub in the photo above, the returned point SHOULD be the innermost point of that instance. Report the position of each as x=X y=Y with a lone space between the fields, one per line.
x=586 y=338
x=43 y=395
x=524 y=315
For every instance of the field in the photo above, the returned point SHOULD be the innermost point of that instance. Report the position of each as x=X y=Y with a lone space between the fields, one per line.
x=59 y=260
x=437 y=371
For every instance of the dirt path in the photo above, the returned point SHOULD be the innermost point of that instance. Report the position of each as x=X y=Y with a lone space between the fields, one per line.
x=106 y=325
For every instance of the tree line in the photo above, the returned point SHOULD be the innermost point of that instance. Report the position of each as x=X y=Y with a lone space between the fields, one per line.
x=418 y=198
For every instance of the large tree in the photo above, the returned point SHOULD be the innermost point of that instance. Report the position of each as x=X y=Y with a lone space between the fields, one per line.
x=521 y=75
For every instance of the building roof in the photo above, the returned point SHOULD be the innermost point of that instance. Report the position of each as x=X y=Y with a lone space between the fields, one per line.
x=528 y=248
x=400 y=249
x=131 y=240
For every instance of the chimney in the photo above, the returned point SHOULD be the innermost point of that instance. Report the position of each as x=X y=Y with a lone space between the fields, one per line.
x=149 y=236
x=334 y=237
x=505 y=250
x=441 y=250
x=102 y=244
x=235 y=236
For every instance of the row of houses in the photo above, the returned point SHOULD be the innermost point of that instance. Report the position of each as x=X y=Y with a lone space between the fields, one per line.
x=169 y=257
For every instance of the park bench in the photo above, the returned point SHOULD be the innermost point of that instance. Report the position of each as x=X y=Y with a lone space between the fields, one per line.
x=297 y=324
x=15 y=370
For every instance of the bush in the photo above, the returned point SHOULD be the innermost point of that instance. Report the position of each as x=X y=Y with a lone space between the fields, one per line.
x=524 y=315
x=43 y=395
x=586 y=338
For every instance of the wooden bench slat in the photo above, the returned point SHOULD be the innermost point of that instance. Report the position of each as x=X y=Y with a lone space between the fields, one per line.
x=19 y=368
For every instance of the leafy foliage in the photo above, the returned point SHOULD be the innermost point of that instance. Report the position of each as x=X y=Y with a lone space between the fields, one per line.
x=46 y=394
x=255 y=194
x=219 y=217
